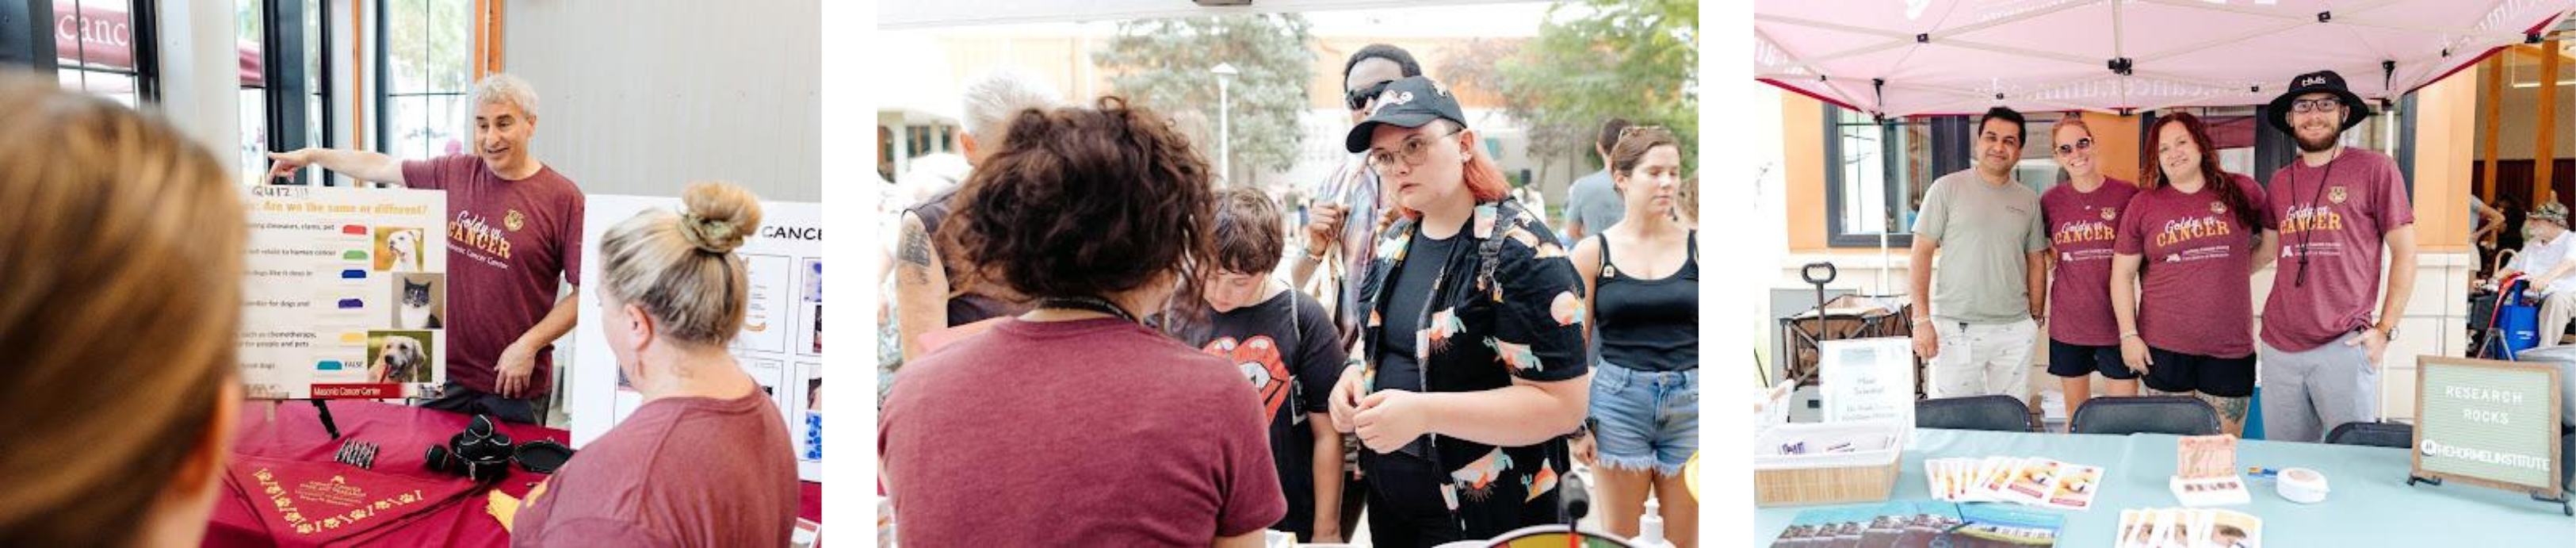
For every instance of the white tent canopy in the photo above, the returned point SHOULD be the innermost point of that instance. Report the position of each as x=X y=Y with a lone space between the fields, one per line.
x=1921 y=57
x=908 y=15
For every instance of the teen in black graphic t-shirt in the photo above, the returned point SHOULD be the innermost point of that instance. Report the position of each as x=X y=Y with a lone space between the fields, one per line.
x=1284 y=344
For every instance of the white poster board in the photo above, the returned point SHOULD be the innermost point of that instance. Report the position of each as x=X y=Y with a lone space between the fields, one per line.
x=346 y=294
x=1867 y=380
x=780 y=345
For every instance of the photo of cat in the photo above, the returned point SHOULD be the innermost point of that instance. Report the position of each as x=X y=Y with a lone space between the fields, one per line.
x=420 y=301
x=400 y=356
x=401 y=249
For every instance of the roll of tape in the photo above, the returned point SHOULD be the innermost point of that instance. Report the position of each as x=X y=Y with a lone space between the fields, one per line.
x=2302 y=485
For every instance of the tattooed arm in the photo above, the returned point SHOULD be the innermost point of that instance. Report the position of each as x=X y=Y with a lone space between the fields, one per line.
x=920 y=286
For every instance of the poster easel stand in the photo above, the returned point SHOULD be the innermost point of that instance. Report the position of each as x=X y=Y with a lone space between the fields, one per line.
x=2565 y=506
x=327 y=425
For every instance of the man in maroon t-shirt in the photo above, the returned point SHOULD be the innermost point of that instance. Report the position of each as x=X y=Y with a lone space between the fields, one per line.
x=513 y=230
x=2337 y=208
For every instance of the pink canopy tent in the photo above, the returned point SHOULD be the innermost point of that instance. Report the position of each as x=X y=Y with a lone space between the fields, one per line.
x=1931 y=57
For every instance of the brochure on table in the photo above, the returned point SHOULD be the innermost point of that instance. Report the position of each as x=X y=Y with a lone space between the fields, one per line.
x=1922 y=523
x=346 y=293
x=2188 y=528
x=781 y=343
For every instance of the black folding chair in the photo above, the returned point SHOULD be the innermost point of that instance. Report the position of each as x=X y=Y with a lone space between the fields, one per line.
x=1991 y=412
x=2177 y=415
x=2372 y=434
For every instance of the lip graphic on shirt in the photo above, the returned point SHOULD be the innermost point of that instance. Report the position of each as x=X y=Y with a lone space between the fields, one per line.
x=1261 y=364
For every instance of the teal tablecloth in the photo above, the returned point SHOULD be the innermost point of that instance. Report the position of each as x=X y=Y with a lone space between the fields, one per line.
x=2370 y=503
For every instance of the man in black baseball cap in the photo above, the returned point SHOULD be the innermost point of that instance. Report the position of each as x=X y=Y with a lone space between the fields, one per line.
x=2339 y=210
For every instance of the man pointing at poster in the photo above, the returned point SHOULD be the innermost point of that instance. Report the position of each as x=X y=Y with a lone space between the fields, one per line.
x=513 y=231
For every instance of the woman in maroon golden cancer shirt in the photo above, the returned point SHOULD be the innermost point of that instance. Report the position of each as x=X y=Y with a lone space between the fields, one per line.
x=2199 y=233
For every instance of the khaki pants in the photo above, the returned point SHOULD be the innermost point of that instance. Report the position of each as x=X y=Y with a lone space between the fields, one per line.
x=2555 y=310
x=1982 y=359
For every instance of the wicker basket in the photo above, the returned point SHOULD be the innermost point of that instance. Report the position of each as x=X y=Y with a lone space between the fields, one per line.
x=1865 y=475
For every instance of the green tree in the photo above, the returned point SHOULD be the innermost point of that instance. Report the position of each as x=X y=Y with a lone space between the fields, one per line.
x=1163 y=64
x=1634 y=59
x=427 y=44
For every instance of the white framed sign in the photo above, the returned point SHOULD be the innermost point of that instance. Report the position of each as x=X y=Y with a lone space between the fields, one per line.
x=2488 y=423
x=1867 y=379
x=780 y=345
x=346 y=293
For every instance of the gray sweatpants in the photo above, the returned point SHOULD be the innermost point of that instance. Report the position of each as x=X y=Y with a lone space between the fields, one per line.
x=2307 y=393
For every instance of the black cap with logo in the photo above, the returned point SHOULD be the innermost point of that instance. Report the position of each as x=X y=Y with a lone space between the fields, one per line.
x=1408 y=102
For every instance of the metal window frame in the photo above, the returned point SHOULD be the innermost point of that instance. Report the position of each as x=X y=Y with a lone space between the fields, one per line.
x=385 y=94
x=1950 y=136
x=27 y=39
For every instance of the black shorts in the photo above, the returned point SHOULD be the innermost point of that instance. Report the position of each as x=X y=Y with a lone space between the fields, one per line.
x=2076 y=360
x=2179 y=372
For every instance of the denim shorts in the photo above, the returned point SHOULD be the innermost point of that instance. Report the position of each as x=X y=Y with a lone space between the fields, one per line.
x=1647 y=419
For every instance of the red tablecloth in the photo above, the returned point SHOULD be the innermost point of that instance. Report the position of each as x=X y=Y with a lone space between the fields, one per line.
x=404 y=433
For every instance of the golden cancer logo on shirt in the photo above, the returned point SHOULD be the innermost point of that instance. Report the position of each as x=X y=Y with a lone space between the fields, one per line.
x=2335 y=194
x=515 y=220
x=2218 y=208
x=2108 y=213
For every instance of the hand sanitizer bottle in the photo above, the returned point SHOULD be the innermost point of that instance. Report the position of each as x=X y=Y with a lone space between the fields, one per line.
x=1650 y=529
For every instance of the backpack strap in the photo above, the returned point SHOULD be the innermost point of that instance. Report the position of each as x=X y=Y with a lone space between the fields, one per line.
x=1506 y=217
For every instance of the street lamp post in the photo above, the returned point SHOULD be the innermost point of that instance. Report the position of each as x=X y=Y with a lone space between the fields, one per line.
x=1224 y=121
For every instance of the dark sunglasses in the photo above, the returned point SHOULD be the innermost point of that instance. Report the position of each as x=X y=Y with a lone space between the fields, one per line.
x=1361 y=97
x=2079 y=144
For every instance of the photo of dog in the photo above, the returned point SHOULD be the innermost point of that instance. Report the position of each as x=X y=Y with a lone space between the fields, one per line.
x=401 y=249
x=399 y=356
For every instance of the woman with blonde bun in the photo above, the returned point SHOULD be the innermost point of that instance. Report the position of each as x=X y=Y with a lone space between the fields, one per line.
x=706 y=460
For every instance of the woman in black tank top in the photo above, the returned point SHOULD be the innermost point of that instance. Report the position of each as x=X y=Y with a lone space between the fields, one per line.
x=1643 y=276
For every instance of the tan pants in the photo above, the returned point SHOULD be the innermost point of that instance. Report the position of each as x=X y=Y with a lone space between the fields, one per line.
x=2555 y=310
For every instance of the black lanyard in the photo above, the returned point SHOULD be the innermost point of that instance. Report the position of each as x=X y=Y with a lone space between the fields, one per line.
x=2314 y=197
x=1094 y=304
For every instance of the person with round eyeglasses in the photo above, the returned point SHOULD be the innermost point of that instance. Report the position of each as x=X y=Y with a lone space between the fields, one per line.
x=1472 y=370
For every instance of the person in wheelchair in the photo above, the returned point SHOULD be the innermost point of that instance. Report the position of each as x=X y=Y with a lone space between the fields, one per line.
x=2543 y=261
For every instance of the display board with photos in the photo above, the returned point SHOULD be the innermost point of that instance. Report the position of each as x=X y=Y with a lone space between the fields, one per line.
x=345 y=294
x=2489 y=423
x=781 y=342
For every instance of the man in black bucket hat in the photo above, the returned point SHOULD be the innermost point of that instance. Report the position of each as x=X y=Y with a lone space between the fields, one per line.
x=2339 y=209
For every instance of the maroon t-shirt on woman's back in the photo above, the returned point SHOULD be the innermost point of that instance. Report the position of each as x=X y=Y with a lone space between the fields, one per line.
x=678 y=472
x=1090 y=433
x=2199 y=295
x=508 y=242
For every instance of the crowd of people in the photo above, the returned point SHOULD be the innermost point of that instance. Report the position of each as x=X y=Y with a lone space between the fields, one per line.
x=2153 y=282
x=133 y=232
x=1079 y=315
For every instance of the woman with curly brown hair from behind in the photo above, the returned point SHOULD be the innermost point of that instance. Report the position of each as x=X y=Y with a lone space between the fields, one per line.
x=1075 y=421
x=119 y=232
